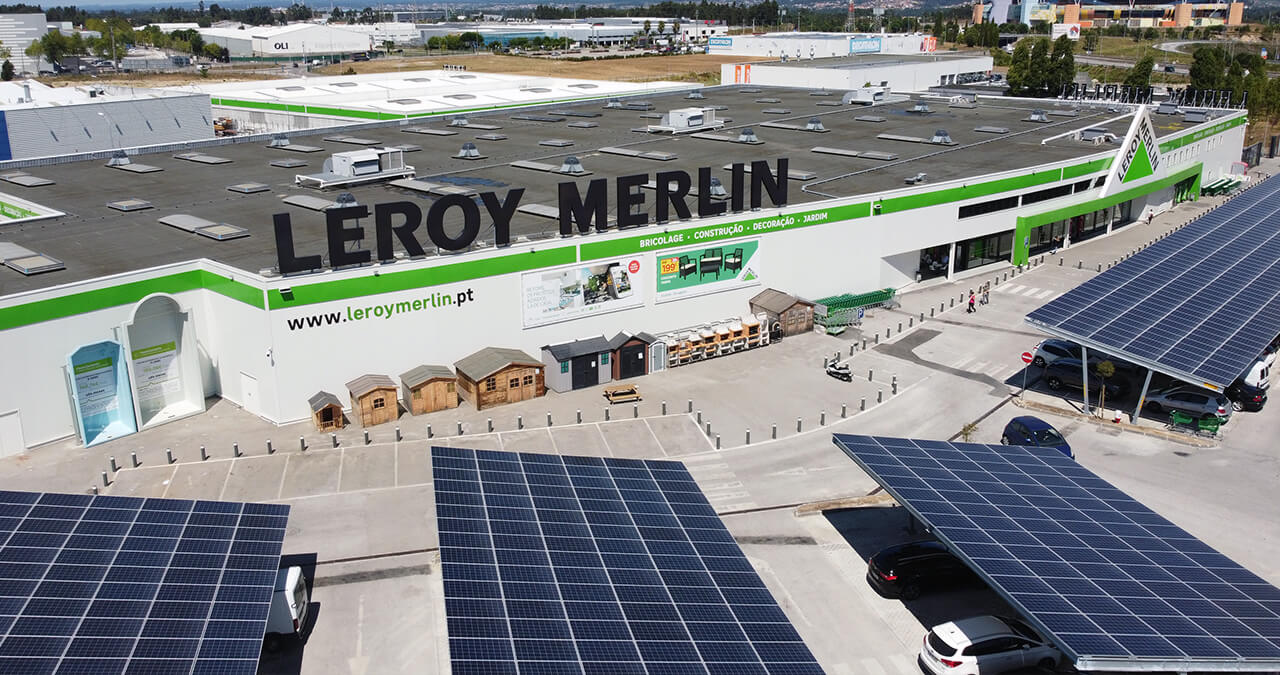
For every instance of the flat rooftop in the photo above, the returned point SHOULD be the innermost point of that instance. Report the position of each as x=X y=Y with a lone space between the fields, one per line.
x=859 y=61
x=94 y=239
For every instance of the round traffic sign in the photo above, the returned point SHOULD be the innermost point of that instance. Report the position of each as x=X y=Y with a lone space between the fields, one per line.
x=1026 y=357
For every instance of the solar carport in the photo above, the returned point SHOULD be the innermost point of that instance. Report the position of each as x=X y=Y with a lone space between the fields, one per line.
x=1199 y=305
x=1110 y=582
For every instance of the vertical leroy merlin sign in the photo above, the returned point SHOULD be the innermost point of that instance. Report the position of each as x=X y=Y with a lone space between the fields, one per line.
x=1139 y=155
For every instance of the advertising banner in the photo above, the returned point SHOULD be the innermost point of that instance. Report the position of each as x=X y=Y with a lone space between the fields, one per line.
x=699 y=271
x=100 y=392
x=720 y=42
x=157 y=370
x=1071 y=30
x=567 y=293
x=864 y=45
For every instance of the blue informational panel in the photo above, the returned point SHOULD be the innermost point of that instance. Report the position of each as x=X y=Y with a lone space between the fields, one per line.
x=720 y=42
x=100 y=392
x=864 y=45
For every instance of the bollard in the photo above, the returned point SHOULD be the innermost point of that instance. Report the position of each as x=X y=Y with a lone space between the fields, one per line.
x=1006 y=276
x=114 y=468
x=1059 y=262
x=953 y=302
x=911 y=321
x=879 y=396
x=886 y=333
x=579 y=417
x=459 y=422
x=399 y=437
x=822 y=418
x=708 y=428
x=168 y=455
x=717 y=441
x=548 y=418
x=1099 y=267
x=489 y=424
x=690 y=405
x=844 y=410
x=871 y=375
x=366 y=433
x=664 y=407
x=877 y=338
x=864 y=344
x=930 y=312
x=333 y=439
x=635 y=410
x=1079 y=264
x=606 y=414
x=799 y=424
x=269 y=448
x=825 y=362
x=428 y=431
x=748 y=437
x=862 y=405
x=203 y=455
x=235 y=449
x=302 y=444
x=519 y=421
x=105 y=481
x=852 y=348
x=775 y=430
x=699 y=418
x=94 y=489
x=133 y=456
x=894 y=391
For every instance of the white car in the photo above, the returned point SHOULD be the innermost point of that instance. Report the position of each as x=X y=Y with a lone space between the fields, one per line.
x=983 y=645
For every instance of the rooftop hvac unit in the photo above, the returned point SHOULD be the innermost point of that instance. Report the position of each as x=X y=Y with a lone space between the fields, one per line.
x=571 y=165
x=458 y=122
x=865 y=96
x=921 y=108
x=613 y=103
x=468 y=151
x=941 y=137
x=814 y=124
x=686 y=120
x=695 y=95
x=346 y=199
x=748 y=135
x=118 y=158
x=278 y=141
x=717 y=190
x=1038 y=115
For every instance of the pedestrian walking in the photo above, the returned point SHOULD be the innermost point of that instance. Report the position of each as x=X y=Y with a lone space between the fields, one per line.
x=973 y=299
x=986 y=293
x=1150 y=215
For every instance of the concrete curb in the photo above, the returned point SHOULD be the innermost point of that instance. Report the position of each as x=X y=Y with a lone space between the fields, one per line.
x=1184 y=439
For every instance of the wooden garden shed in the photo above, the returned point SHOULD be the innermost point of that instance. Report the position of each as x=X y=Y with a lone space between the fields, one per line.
x=792 y=315
x=326 y=411
x=373 y=399
x=630 y=354
x=495 y=376
x=428 y=389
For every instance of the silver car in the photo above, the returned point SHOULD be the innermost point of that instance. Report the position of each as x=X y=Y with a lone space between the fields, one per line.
x=1194 y=401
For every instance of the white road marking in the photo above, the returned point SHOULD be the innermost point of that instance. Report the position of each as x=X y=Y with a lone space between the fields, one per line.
x=1044 y=294
x=1016 y=288
x=961 y=363
x=1031 y=291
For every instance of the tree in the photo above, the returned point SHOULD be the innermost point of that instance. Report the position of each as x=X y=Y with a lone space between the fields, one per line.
x=675 y=28
x=1139 y=76
x=6 y=71
x=1064 y=64
x=648 y=26
x=662 y=27
x=1103 y=370
x=1039 y=75
x=1208 y=68
x=1019 y=65
x=214 y=52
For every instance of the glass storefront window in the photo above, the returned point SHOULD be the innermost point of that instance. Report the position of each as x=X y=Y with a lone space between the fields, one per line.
x=934 y=261
x=985 y=250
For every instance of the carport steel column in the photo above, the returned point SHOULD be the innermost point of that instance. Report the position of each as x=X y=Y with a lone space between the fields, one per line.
x=1142 y=398
x=1084 y=375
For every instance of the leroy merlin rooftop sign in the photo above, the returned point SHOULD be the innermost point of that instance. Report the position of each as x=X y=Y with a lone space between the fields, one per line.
x=1139 y=156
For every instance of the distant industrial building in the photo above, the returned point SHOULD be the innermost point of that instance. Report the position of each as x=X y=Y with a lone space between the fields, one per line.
x=40 y=121
x=886 y=72
x=1102 y=14
x=299 y=40
x=17 y=32
x=603 y=31
x=821 y=45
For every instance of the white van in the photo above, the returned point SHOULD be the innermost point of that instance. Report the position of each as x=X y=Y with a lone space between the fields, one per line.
x=288 y=612
x=1258 y=375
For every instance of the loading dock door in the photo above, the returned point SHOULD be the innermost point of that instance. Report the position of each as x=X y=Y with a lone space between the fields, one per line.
x=631 y=361
x=584 y=371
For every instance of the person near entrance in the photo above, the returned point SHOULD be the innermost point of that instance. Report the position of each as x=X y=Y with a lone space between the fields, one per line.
x=972 y=300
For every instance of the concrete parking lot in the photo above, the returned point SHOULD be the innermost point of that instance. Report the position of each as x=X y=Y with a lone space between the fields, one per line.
x=364 y=514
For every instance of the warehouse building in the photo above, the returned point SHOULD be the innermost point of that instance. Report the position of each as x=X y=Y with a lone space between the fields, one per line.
x=914 y=72
x=212 y=274
x=822 y=45
x=291 y=42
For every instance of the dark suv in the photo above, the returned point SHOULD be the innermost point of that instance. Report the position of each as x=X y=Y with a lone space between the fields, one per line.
x=1066 y=373
x=904 y=570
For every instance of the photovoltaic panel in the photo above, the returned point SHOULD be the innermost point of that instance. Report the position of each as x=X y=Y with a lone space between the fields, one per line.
x=1112 y=584
x=102 y=584
x=1200 y=304
x=597 y=566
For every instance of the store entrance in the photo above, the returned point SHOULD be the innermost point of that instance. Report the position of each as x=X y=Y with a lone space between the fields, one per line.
x=584 y=371
x=631 y=361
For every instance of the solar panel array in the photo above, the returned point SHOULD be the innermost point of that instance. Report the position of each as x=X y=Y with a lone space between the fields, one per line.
x=1109 y=579
x=102 y=584
x=1201 y=303
x=586 y=565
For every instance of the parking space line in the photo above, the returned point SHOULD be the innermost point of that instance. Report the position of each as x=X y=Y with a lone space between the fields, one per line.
x=1031 y=291
x=226 y=478
x=1016 y=288
x=284 y=472
x=959 y=365
x=1044 y=294
x=978 y=367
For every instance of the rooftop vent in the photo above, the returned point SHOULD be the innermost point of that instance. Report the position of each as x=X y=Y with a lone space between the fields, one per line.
x=717 y=189
x=917 y=179
x=468 y=151
x=571 y=165
x=695 y=95
x=921 y=108
x=1038 y=115
x=815 y=124
x=118 y=158
x=458 y=122
x=346 y=199
x=941 y=137
x=278 y=141
x=613 y=103
x=748 y=135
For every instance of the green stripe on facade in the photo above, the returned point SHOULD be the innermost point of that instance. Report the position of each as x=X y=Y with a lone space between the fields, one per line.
x=1026 y=223
x=1095 y=166
x=907 y=202
x=377 y=115
x=391 y=282
x=656 y=240
x=1203 y=133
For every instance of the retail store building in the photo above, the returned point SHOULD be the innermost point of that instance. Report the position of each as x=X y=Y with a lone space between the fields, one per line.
x=146 y=314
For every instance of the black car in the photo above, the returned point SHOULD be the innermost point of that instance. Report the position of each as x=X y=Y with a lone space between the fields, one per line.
x=1066 y=373
x=1246 y=397
x=905 y=570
